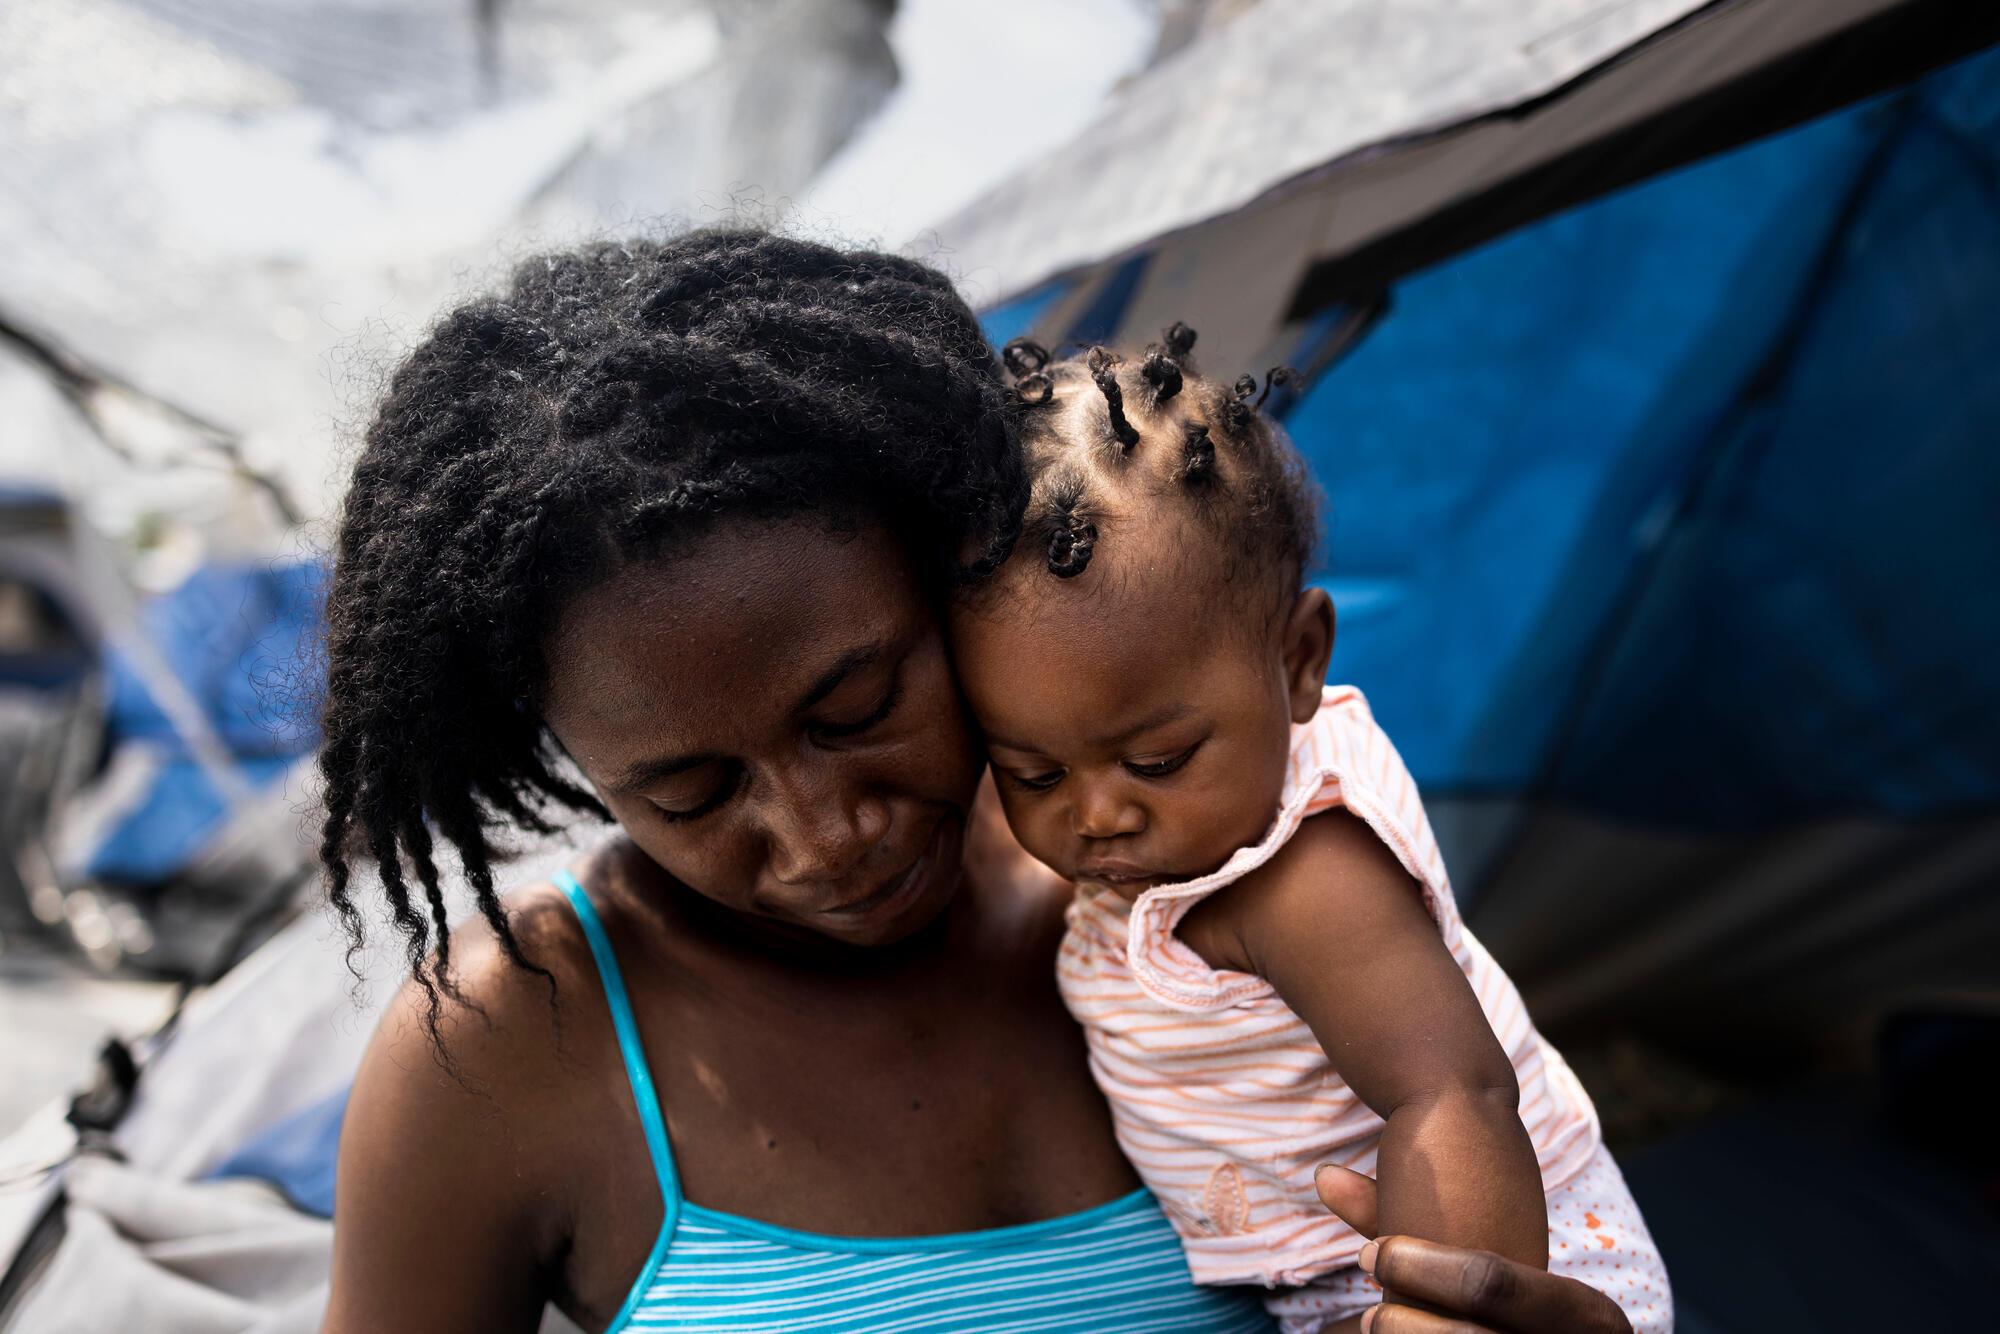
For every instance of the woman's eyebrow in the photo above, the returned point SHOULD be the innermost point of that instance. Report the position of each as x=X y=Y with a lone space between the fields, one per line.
x=645 y=773
x=829 y=680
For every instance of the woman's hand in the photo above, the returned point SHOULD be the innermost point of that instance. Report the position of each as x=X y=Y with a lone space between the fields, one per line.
x=1478 y=1292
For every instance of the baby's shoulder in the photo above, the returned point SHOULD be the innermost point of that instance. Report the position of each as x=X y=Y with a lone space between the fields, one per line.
x=1336 y=852
x=1333 y=868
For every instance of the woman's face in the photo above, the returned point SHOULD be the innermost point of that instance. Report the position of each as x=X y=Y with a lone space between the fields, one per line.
x=772 y=718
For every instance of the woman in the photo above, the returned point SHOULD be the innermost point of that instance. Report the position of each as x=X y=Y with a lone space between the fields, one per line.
x=786 y=1052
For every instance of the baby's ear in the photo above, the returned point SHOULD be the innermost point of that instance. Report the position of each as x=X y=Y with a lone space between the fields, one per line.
x=1306 y=649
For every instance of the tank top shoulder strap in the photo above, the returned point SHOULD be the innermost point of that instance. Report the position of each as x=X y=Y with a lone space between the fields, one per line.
x=636 y=1070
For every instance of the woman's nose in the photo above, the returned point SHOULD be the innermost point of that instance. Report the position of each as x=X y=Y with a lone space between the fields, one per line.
x=820 y=828
x=1100 y=811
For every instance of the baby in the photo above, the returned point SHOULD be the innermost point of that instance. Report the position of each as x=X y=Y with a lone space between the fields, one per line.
x=1263 y=948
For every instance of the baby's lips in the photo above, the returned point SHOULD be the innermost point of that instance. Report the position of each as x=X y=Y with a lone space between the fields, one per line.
x=1112 y=873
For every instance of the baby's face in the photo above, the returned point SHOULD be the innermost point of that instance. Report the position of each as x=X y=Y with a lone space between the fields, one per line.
x=1136 y=739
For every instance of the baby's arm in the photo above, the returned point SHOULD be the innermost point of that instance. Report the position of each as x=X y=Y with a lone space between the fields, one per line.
x=1337 y=925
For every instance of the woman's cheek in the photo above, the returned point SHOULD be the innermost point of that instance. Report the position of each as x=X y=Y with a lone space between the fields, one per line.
x=937 y=756
x=713 y=863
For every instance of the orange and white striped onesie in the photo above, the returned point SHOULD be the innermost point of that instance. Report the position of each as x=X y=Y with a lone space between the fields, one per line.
x=1225 y=1103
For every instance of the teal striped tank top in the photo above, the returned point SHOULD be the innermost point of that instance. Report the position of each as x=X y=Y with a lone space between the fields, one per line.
x=1115 y=1269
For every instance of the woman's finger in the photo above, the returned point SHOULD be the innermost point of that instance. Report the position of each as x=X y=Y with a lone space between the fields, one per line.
x=1349 y=1194
x=1392 y=1318
x=1481 y=1286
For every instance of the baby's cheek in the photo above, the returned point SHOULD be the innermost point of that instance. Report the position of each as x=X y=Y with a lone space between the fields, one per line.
x=1230 y=813
x=1033 y=826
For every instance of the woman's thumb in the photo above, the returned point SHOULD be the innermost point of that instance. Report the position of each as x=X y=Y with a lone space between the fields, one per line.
x=1348 y=1194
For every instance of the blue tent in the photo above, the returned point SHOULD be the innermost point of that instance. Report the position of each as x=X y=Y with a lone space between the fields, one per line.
x=1670 y=517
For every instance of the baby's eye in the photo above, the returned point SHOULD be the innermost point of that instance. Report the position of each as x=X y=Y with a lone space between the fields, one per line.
x=1040 y=782
x=1160 y=768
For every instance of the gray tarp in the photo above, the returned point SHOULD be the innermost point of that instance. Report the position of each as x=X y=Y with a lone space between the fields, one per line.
x=281 y=1032
x=289 y=186
x=1279 y=91
x=145 y=1252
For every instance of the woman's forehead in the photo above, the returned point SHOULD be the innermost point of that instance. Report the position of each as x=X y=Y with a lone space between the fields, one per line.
x=739 y=624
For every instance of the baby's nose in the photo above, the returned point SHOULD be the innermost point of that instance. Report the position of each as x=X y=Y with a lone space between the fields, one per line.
x=1100 y=814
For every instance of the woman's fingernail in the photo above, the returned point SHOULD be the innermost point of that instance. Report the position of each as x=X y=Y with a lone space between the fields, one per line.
x=1368 y=1257
x=1368 y=1319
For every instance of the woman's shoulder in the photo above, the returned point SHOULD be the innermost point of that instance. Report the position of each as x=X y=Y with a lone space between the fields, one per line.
x=452 y=1187
x=519 y=1009
x=486 y=1029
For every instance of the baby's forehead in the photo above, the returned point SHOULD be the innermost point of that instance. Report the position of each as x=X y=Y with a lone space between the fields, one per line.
x=1035 y=652
x=1148 y=582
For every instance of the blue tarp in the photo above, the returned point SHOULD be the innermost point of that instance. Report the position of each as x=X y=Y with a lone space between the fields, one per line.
x=233 y=634
x=240 y=638
x=296 y=1155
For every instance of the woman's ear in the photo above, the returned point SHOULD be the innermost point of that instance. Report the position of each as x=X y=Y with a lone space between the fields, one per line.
x=1306 y=650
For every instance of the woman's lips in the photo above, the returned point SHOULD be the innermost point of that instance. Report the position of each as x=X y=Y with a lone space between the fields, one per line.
x=938 y=859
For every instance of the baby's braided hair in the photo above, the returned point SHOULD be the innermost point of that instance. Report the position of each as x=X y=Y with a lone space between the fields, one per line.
x=610 y=404
x=1224 y=457
x=1103 y=370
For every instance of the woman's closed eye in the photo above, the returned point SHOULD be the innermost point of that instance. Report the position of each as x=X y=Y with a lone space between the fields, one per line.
x=700 y=799
x=876 y=714
x=695 y=805
x=1151 y=766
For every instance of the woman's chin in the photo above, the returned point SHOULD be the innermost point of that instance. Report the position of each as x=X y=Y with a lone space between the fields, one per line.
x=910 y=901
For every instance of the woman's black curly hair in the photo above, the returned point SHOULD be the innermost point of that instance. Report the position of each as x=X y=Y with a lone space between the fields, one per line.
x=609 y=404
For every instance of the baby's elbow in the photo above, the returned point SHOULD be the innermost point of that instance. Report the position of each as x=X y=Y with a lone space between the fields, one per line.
x=1481 y=1093
x=1503 y=1095
x=1490 y=1081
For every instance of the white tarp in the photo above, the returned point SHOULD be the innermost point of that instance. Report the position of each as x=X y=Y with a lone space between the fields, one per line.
x=1284 y=87
x=249 y=207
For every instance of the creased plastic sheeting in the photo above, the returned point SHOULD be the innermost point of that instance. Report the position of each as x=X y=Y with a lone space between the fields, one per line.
x=1282 y=88
x=297 y=1155
x=1507 y=451
x=144 y=1251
